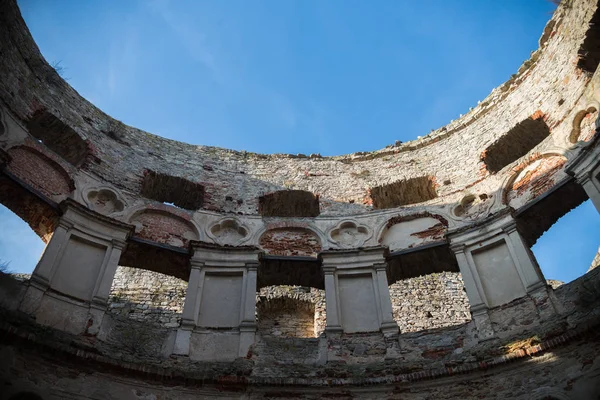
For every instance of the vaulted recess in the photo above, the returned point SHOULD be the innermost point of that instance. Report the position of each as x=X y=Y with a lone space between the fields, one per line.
x=289 y=203
x=58 y=136
x=515 y=144
x=404 y=192
x=172 y=189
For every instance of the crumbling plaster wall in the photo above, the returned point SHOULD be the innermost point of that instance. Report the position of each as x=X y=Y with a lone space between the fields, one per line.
x=547 y=85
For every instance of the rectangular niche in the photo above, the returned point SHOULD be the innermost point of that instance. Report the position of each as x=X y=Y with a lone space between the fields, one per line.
x=498 y=274
x=58 y=136
x=79 y=268
x=220 y=305
x=358 y=303
x=517 y=142
x=172 y=189
x=404 y=192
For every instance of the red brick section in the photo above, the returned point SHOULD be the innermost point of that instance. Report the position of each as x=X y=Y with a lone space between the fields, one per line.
x=537 y=180
x=436 y=232
x=39 y=171
x=587 y=127
x=163 y=227
x=290 y=242
x=405 y=218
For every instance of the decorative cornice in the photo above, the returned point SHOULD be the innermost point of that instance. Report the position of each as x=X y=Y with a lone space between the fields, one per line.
x=70 y=204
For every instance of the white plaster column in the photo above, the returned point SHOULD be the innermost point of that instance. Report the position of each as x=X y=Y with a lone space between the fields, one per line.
x=473 y=287
x=388 y=325
x=69 y=287
x=189 y=316
x=356 y=292
x=102 y=291
x=43 y=271
x=527 y=265
x=585 y=167
x=219 y=322
x=248 y=324
x=332 y=309
x=468 y=275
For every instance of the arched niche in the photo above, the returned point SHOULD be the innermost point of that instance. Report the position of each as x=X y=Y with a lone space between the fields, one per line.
x=290 y=241
x=533 y=178
x=584 y=125
x=163 y=227
x=286 y=316
x=406 y=232
x=40 y=172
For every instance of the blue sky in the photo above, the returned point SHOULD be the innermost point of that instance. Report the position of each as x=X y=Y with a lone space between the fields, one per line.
x=283 y=76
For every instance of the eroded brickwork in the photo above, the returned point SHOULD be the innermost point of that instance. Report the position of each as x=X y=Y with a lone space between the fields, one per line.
x=40 y=172
x=163 y=227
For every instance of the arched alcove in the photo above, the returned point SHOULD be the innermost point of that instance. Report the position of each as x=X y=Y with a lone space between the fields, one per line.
x=290 y=311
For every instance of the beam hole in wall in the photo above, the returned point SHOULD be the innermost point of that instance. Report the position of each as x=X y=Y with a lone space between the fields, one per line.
x=515 y=143
x=290 y=311
x=564 y=258
x=58 y=136
x=404 y=192
x=589 y=51
x=147 y=296
x=584 y=125
x=289 y=203
x=172 y=190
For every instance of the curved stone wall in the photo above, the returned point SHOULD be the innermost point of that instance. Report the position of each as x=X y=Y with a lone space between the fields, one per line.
x=388 y=239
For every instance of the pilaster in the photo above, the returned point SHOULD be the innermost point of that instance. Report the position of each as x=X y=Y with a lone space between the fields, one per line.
x=356 y=291
x=69 y=287
x=497 y=267
x=219 y=322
